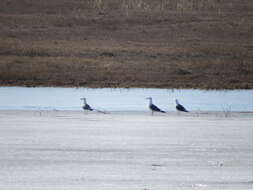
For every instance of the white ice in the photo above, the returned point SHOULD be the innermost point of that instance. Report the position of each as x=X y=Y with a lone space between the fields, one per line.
x=72 y=150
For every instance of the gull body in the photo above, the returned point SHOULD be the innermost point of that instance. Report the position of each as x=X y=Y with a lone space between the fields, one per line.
x=86 y=107
x=179 y=107
x=153 y=107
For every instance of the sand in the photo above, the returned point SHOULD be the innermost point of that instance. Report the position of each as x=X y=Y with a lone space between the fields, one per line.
x=65 y=150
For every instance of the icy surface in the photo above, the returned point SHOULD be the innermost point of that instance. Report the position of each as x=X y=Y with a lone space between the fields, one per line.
x=71 y=150
x=18 y=98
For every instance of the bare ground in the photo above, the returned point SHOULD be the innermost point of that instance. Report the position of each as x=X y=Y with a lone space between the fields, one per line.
x=81 y=43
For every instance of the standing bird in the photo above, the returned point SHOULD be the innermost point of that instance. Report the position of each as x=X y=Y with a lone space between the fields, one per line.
x=153 y=107
x=179 y=107
x=86 y=107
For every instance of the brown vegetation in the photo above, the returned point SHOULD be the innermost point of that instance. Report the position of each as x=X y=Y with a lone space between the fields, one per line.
x=127 y=43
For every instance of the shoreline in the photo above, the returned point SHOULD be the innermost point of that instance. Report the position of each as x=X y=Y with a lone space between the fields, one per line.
x=125 y=87
x=168 y=114
x=242 y=87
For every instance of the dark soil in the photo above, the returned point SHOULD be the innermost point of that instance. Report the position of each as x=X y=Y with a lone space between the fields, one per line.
x=161 y=44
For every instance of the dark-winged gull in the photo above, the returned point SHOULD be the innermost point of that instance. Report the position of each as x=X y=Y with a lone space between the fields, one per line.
x=179 y=107
x=153 y=107
x=86 y=107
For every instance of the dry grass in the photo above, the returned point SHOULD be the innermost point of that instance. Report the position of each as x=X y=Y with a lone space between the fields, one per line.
x=127 y=43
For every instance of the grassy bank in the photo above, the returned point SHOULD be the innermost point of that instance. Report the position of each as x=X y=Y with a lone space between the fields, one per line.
x=127 y=43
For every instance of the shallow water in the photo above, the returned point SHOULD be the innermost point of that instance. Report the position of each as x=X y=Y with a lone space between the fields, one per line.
x=43 y=98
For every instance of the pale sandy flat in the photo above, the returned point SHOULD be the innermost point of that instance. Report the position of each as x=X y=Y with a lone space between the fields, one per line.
x=67 y=150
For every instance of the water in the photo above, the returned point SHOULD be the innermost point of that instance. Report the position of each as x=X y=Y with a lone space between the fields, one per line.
x=44 y=98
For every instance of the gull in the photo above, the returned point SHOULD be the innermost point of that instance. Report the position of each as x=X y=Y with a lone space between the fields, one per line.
x=86 y=107
x=179 y=107
x=153 y=107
